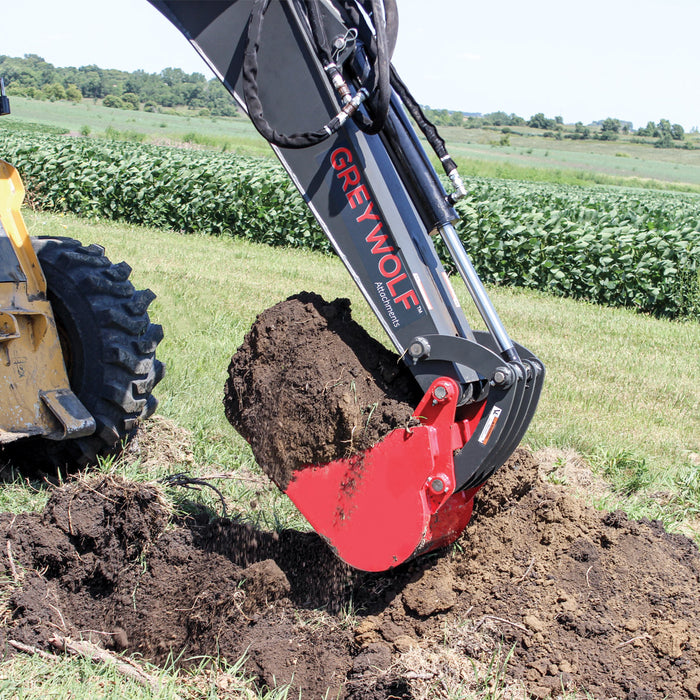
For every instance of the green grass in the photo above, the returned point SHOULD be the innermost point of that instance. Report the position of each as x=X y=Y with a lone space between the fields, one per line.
x=235 y=134
x=530 y=156
x=65 y=678
x=618 y=383
x=502 y=166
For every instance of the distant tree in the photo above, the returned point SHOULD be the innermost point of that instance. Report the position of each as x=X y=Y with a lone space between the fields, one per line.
x=539 y=121
x=441 y=116
x=664 y=127
x=73 y=94
x=610 y=124
x=91 y=81
x=502 y=119
x=36 y=78
x=130 y=100
x=664 y=131
x=172 y=76
x=559 y=120
x=610 y=129
x=677 y=132
x=665 y=141
x=583 y=131
x=113 y=101
x=54 y=91
x=497 y=118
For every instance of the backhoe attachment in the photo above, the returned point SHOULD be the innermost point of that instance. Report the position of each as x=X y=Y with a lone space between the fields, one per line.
x=315 y=78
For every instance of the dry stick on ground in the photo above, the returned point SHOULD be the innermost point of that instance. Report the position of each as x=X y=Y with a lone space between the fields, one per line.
x=504 y=621
x=13 y=568
x=527 y=572
x=90 y=651
x=27 y=649
x=634 y=639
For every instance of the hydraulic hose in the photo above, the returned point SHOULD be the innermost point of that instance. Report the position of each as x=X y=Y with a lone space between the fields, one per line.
x=377 y=85
x=429 y=130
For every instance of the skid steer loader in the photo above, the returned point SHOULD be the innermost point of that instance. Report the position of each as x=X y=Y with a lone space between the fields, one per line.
x=315 y=77
x=77 y=349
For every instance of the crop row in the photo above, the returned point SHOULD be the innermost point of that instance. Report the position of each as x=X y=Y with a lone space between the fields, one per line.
x=629 y=248
x=632 y=248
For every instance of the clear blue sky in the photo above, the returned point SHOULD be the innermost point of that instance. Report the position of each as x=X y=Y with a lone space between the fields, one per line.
x=632 y=59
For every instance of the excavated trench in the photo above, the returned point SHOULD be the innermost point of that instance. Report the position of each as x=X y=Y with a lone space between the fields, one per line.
x=585 y=599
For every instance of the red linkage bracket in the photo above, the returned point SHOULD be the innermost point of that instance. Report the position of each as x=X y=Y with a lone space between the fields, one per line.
x=396 y=500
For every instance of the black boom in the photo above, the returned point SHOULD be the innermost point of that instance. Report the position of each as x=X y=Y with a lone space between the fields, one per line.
x=315 y=78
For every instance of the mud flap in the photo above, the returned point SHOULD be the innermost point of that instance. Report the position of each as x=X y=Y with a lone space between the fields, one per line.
x=75 y=419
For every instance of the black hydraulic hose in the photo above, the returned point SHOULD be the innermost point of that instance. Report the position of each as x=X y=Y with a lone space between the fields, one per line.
x=318 y=30
x=380 y=94
x=391 y=14
x=430 y=132
x=379 y=77
x=429 y=129
x=380 y=49
x=250 y=89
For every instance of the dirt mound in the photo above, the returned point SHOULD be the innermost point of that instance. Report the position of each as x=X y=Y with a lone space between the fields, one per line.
x=585 y=599
x=309 y=385
x=99 y=564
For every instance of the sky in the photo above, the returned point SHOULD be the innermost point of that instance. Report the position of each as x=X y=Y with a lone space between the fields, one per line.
x=635 y=60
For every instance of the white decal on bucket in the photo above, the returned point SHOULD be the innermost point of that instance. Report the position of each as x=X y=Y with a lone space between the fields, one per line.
x=490 y=425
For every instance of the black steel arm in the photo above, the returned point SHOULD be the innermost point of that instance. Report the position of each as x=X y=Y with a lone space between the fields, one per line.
x=376 y=195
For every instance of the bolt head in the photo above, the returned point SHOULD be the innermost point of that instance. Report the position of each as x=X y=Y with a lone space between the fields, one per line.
x=503 y=376
x=415 y=350
x=437 y=485
x=419 y=348
x=440 y=392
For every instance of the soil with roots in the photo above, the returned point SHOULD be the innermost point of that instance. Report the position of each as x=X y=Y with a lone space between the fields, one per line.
x=309 y=385
x=541 y=595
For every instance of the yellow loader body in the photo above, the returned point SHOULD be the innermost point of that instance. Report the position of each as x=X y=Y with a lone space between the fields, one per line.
x=35 y=395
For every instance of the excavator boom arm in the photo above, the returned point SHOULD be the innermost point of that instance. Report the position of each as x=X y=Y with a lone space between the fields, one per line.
x=315 y=78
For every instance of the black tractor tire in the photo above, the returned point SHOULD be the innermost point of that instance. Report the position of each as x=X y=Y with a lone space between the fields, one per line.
x=108 y=344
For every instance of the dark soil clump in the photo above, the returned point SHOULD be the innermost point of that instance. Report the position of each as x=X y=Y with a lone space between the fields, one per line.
x=309 y=386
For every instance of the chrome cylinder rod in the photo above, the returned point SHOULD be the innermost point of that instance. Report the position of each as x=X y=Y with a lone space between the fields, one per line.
x=478 y=293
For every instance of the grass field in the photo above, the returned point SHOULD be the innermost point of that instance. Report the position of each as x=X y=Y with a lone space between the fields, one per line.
x=236 y=134
x=479 y=152
x=619 y=390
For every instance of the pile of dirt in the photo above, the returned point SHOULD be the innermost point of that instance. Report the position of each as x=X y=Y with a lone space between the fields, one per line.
x=585 y=599
x=309 y=385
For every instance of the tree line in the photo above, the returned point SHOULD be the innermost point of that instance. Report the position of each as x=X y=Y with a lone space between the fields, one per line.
x=32 y=76
x=667 y=135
